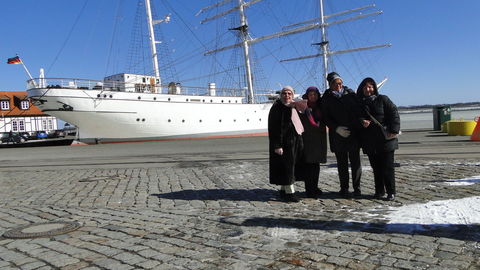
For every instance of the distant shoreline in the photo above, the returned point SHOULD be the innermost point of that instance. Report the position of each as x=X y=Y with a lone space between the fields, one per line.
x=429 y=108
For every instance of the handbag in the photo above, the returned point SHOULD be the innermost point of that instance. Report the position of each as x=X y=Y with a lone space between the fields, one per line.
x=380 y=126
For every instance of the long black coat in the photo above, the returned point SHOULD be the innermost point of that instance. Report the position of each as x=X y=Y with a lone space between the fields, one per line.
x=372 y=138
x=314 y=140
x=282 y=134
x=342 y=111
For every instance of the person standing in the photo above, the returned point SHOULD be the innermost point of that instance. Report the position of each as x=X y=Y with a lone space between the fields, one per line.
x=379 y=136
x=341 y=112
x=285 y=143
x=314 y=142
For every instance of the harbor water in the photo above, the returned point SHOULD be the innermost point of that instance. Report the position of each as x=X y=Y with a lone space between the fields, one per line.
x=424 y=119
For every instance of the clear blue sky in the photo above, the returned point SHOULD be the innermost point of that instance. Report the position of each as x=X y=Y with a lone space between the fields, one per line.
x=434 y=59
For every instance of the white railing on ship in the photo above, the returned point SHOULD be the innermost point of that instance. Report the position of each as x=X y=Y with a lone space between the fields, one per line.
x=86 y=84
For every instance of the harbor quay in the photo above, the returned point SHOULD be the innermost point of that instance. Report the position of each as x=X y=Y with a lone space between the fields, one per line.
x=208 y=204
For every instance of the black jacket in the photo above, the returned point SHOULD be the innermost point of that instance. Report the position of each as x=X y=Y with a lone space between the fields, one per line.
x=282 y=134
x=384 y=111
x=342 y=111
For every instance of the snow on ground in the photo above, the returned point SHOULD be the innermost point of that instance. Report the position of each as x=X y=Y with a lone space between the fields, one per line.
x=463 y=211
x=465 y=181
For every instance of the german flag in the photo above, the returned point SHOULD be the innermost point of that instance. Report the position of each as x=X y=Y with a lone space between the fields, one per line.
x=14 y=60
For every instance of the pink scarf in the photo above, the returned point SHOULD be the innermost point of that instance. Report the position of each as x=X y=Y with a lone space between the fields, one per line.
x=297 y=123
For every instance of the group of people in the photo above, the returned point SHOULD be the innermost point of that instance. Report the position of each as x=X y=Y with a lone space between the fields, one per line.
x=355 y=120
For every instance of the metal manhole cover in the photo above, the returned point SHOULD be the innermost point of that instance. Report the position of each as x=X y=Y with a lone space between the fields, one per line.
x=103 y=178
x=46 y=229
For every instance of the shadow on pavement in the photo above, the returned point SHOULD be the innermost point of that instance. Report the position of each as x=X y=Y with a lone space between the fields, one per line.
x=259 y=194
x=453 y=231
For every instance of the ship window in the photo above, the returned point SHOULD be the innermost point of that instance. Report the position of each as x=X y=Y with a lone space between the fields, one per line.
x=234 y=120
x=50 y=124
x=44 y=124
x=5 y=105
x=143 y=119
x=183 y=120
x=200 y=120
x=236 y=101
x=139 y=97
x=168 y=99
x=187 y=99
x=211 y=100
x=248 y=120
x=222 y=100
x=169 y=120
x=260 y=119
x=220 y=120
x=154 y=98
x=138 y=119
x=144 y=80
x=229 y=101
x=98 y=95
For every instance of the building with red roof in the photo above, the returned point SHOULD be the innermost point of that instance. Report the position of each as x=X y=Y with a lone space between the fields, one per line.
x=18 y=114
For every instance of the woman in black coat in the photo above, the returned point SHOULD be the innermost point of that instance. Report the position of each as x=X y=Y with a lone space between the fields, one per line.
x=379 y=136
x=314 y=142
x=285 y=143
x=341 y=112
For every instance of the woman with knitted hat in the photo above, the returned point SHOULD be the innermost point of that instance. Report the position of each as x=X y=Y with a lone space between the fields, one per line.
x=314 y=141
x=341 y=112
x=285 y=143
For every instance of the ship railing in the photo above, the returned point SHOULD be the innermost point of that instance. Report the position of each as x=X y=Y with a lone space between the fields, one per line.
x=87 y=84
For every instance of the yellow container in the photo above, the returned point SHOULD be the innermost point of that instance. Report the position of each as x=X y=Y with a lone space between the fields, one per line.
x=460 y=127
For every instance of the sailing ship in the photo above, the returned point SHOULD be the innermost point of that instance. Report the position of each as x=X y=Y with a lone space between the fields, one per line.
x=136 y=107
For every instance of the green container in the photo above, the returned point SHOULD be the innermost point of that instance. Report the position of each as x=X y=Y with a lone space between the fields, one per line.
x=441 y=114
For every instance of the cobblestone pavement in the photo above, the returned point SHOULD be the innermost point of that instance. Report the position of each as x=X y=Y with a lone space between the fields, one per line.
x=223 y=214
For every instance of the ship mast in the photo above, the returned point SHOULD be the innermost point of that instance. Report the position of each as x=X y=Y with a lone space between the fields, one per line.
x=152 y=42
x=248 y=70
x=324 y=43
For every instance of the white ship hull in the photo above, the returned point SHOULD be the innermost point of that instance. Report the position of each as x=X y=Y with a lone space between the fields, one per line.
x=113 y=116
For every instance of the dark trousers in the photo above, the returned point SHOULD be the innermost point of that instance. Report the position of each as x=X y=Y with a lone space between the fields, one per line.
x=383 y=171
x=342 y=165
x=308 y=172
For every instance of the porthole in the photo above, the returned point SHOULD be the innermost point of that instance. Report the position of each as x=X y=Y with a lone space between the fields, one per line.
x=143 y=119
x=220 y=120
x=211 y=101
x=111 y=96
x=248 y=120
x=186 y=100
x=200 y=120
x=236 y=101
x=138 y=119
x=260 y=119
x=183 y=120
x=104 y=96
x=168 y=99
x=234 y=120
x=98 y=95
x=139 y=97
x=203 y=100
x=169 y=120
x=222 y=100
x=154 y=98
x=229 y=101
